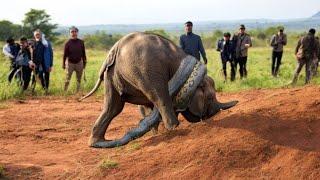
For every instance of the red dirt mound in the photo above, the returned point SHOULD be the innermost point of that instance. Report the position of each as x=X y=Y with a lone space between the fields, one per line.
x=269 y=134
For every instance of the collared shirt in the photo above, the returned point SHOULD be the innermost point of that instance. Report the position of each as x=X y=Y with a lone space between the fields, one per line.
x=192 y=45
x=278 y=41
x=308 y=47
x=241 y=40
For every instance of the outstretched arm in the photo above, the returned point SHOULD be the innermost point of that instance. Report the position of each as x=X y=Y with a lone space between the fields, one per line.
x=298 y=46
x=202 y=51
x=84 y=55
x=181 y=43
x=65 y=55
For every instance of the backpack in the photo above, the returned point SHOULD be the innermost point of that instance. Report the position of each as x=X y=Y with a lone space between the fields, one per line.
x=22 y=59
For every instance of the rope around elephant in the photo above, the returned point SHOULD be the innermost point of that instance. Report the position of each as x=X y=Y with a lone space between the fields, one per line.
x=182 y=87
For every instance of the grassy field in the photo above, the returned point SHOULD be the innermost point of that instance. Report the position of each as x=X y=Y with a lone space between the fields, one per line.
x=259 y=73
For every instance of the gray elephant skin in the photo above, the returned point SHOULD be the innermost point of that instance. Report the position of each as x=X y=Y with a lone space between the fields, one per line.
x=137 y=70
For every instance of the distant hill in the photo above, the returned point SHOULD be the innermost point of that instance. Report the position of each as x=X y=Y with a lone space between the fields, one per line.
x=316 y=15
x=204 y=26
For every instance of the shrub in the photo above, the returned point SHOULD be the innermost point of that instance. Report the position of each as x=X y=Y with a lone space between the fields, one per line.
x=108 y=164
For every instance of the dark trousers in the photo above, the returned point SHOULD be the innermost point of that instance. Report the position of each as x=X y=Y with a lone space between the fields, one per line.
x=242 y=61
x=44 y=78
x=224 y=67
x=13 y=69
x=276 y=62
x=26 y=76
x=308 y=63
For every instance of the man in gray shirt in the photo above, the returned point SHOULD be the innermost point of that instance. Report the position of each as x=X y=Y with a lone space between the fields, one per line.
x=192 y=44
x=243 y=42
x=277 y=42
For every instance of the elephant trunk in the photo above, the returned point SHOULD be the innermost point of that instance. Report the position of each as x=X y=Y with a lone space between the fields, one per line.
x=227 y=105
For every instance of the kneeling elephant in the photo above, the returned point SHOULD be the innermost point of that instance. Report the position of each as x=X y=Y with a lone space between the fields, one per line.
x=151 y=71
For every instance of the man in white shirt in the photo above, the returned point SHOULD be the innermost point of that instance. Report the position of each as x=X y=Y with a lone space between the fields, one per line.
x=11 y=50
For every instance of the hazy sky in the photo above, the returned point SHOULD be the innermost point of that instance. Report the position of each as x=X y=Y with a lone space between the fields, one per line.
x=89 y=12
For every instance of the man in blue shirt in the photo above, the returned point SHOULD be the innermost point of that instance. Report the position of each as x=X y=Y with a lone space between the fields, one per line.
x=192 y=44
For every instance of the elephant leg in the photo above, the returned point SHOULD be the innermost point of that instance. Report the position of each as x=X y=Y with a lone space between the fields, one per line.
x=113 y=106
x=146 y=111
x=158 y=94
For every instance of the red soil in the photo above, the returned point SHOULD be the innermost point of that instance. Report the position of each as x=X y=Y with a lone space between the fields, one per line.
x=269 y=134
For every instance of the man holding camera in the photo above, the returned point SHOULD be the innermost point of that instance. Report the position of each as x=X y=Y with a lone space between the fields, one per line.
x=226 y=48
x=277 y=42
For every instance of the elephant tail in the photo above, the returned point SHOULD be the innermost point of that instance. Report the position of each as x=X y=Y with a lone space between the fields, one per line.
x=106 y=64
x=228 y=105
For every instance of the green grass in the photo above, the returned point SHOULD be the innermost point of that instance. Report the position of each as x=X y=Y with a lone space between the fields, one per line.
x=134 y=146
x=258 y=65
x=2 y=171
x=108 y=164
x=259 y=71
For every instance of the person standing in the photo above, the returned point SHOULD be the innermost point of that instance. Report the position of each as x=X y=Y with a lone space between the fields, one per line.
x=11 y=50
x=277 y=42
x=74 y=58
x=226 y=48
x=192 y=43
x=23 y=62
x=306 y=51
x=316 y=60
x=243 y=43
x=42 y=57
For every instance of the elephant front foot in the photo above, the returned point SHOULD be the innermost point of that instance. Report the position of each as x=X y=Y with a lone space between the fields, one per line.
x=172 y=125
x=93 y=141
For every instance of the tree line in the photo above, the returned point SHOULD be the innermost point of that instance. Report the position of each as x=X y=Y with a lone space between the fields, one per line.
x=34 y=19
x=39 y=19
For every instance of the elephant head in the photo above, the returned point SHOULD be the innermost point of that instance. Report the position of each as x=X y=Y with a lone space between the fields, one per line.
x=204 y=103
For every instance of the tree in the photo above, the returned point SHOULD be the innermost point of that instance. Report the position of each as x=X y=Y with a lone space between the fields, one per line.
x=8 y=29
x=39 y=19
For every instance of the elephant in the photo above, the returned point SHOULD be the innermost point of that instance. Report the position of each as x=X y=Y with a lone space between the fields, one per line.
x=150 y=70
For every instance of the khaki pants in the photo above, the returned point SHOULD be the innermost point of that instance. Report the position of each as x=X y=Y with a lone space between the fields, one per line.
x=78 y=68
x=308 y=63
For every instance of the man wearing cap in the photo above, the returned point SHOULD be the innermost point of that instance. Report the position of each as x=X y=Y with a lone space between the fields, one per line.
x=192 y=43
x=74 y=58
x=306 y=51
x=243 y=43
x=277 y=42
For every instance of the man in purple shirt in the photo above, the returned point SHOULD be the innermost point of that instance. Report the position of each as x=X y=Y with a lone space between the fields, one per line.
x=74 y=58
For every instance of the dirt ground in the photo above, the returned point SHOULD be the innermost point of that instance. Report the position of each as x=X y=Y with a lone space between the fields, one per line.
x=269 y=134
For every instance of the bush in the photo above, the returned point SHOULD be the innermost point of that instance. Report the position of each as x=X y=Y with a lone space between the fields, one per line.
x=160 y=32
x=108 y=164
x=1 y=170
x=101 y=40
